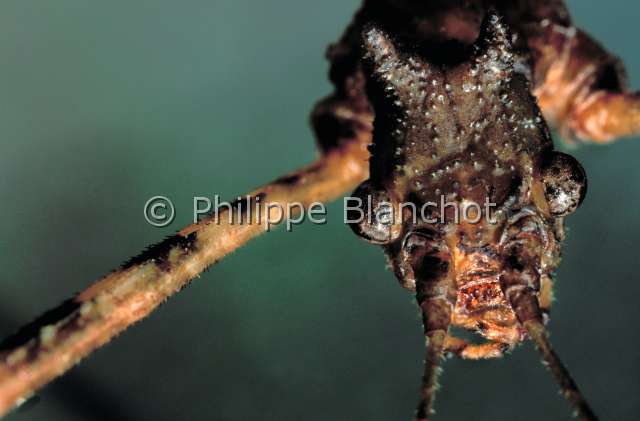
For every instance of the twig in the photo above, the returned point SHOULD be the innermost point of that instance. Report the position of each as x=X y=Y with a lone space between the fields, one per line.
x=62 y=337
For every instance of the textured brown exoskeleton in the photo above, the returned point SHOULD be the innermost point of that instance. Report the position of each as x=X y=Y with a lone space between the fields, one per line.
x=580 y=87
x=452 y=90
x=461 y=127
x=455 y=118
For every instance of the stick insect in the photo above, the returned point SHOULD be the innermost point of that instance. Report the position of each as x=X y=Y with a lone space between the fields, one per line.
x=579 y=88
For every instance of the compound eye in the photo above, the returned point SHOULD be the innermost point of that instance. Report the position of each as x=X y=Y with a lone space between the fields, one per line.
x=565 y=183
x=371 y=214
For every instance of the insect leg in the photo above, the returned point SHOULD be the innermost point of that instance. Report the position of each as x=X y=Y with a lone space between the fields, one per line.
x=604 y=116
x=584 y=89
x=345 y=115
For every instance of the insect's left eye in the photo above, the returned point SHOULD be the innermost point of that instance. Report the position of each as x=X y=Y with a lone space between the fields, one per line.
x=565 y=183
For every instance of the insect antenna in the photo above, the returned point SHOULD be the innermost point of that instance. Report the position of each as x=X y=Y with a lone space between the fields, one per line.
x=540 y=337
x=433 y=293
x=432 y=370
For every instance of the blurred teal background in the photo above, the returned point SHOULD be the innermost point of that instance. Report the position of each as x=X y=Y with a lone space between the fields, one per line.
x=105 y=104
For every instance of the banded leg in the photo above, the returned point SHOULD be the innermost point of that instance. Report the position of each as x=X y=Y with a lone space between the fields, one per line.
x=604 y=116
x=582 y=87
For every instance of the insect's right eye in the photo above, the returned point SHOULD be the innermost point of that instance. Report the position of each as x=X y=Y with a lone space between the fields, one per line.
x=565 y=183
x=374 y=218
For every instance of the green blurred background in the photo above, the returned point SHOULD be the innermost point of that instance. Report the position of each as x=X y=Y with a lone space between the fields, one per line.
x=105 y=104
